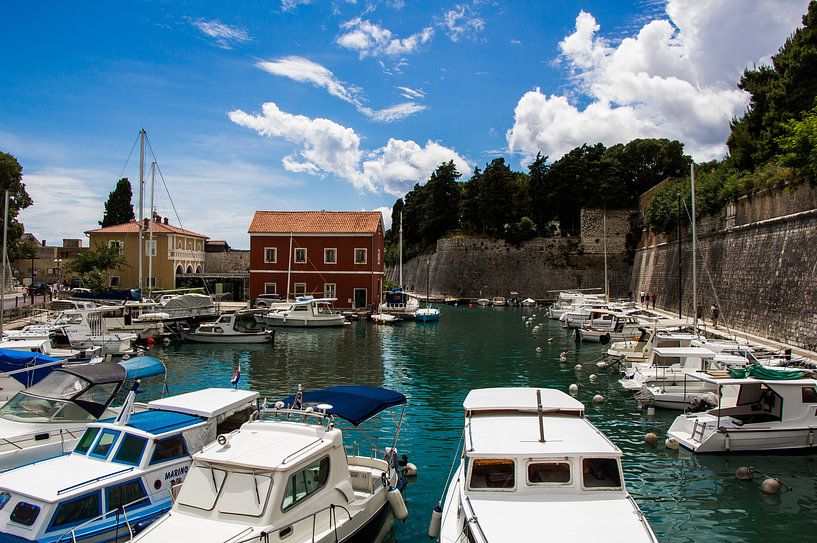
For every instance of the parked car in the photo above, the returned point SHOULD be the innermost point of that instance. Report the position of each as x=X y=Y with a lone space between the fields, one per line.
x=265 y=300
x=79 y=291
x=38 y=288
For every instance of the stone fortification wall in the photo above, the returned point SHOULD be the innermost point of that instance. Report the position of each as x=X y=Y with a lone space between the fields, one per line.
x=231 y=262
x=471 y=267
x=761 y=268
x=593 y=229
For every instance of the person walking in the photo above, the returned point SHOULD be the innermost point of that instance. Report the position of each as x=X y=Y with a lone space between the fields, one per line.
x=25 y=293
x=715 y=313
x=653 y=298
x=642 y=297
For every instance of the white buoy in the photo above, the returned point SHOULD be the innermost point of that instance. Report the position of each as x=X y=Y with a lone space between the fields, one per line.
x=563 y=357
x=650 y=410
x=524 y=318
x=598 y=398
x=573 y=389
x=592 y=376
x=578 y=367
x=672 y=443
x=770 y=486
x=436 y=523
x=651 y=438
x=410 y=470
x=744 y=473
x=166 y=341
x=398 y=505
x=533 y=316
x=601 y=365
x=550 y=340
x=538 y=349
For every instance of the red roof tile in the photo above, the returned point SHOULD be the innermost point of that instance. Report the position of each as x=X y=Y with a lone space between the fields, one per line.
x=132 y=227
x=315 y=222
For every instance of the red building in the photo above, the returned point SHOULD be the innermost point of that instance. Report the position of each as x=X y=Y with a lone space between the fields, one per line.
x=333 y=254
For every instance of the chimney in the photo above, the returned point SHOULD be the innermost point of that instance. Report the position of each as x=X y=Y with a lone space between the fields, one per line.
x=43 y=243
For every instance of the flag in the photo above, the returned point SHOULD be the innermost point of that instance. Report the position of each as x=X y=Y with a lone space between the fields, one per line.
x=236 y=375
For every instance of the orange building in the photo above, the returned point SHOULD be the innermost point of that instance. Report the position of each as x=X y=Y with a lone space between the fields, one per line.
x=333 y=254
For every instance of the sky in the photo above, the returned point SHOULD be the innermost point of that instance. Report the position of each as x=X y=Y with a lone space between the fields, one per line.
x=346 y=105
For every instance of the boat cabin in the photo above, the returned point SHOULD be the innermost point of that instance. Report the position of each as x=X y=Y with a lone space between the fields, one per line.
x=120 y=472
x=238 y=322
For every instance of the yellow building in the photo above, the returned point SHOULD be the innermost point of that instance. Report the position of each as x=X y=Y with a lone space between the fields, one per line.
x=173 y=251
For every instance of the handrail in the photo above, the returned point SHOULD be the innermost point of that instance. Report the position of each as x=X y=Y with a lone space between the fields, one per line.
x=302 y=449
x=32 y=437
x=471 y=519
x=89 y=481
x=121 y=508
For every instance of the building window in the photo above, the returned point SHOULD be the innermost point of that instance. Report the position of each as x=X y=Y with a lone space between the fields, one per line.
x=330 y=256
x=330 y=290
x=150 y=247
x=270 y=288
x=300 y=289
x=114 y=281
x=189 y=244
x=360 y=256
x=150 y=282
x=270 y=255
x=300 y=255
x=115 y=243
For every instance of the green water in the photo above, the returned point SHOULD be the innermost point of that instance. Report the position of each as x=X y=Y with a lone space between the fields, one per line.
x=686 y=498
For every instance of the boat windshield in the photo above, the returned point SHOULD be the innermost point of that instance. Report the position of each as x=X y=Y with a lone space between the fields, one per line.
x=24 y=407
x=69 y=318
x=232 y=492
x=59 y=385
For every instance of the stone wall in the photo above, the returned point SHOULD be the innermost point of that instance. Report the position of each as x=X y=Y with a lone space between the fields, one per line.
x=593 y=229
x=763 y=273
x=470 y=267
x=230 y=262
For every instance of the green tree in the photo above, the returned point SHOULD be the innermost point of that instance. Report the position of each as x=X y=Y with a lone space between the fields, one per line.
x=641 y=164
x=469 y=204
x=499 y=197
x=799 y=145
x=95 y=265
x=11 y=179
x=542 y=208
x=118 y=208
x=443 y=204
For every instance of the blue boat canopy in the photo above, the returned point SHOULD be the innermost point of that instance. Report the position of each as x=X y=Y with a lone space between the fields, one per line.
x=354 y=403
x=11 y=360
x=143 y=366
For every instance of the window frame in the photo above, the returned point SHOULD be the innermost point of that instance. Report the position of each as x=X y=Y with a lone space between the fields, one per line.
x=314 y=492
x=567 y=461
x=617 y=461
x=295 y=289
x=334 y=290
x=274 y=255
x=295 y=258
x=473 y=463
x=184 y=454
x=33 y=506
x=122 y=443
x=116 y=283
x=144 y=500
x=118 y=243
x=274 y=287
x=51 y=526
x=151 y=247
x=105 y=431
x=91 y=443
x=365 y=256
x=335 y=252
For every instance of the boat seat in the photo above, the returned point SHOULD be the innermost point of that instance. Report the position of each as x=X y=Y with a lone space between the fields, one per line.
x=361 y=479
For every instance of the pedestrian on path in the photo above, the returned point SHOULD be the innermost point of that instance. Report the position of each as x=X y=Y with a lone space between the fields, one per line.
x=715 y=313
x=653 y=298
x=699 y=311
x=25 y=293
x=642 y=297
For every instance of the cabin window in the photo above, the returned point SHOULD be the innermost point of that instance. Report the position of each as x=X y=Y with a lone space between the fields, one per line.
x=300 y=255
x=100 y=394
x=601 y=473
x=104 y=444
x=270 y=255
x=246 y=493
x=306 y=482
x=4 y=499
x=548 y=473
x=201 y=487
x=130 y=494
x=300 y=308
x=76 y=511
x=809 y=394
x=330 y=256
x=130 y=450
x=168 y=449
x=85 y=441
x=492 y=473
x=360 y=256
x=25 y=513
x=60 y=385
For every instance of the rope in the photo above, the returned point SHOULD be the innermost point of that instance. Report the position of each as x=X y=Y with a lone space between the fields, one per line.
x=451 y=469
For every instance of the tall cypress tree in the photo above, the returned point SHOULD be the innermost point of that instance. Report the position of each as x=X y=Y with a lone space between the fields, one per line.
x=118 y=208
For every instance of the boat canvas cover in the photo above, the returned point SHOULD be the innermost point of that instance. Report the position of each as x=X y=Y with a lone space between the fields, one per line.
x=105 y=372
x=207 y=403
x=140 y=367
x=769 y=374
x=188 y=301
x=353 y=403
x=11 y=360
x=159 y=422
x=521 y=400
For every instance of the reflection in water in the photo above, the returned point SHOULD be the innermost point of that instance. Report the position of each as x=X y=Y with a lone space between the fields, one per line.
x=686 y=498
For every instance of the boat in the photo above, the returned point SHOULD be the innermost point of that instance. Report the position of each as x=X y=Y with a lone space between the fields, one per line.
x=384 y=318
x=80 y=329
x=484 y=301
x=620 y=327
x=399 y=303
x=528 y=302
x=305 y=312
x=569 y=300
x=499 y=301
x=288 y=476
x=47 y=418
x=532 y=463
x=667 y=364
x=427 y=314
x=46 y=347
x=237 y=327
x=22 y=369
x=771 y=412
x=119 y=476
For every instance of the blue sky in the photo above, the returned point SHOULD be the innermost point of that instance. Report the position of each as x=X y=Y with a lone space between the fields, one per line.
x=345 y=105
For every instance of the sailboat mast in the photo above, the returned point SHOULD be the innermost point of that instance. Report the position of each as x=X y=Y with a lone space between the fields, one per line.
x=289 y=264
x=606 y=283
x=152 y=216
x=401 y=249
x=141 y=197
x=694 y=257
x=5 y=242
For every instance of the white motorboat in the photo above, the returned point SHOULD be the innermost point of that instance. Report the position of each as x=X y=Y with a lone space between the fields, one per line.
x=288 y=476
x=305 y=312
x=119 y=476
x=384 y=318
x=79 y=328
x=499 y=301
x=533 y=464
x=598 y=314
x=47 y=418
x=667 y=364
x=620 y=327
x=528 y=302
x=238 y=327
x=400 y=304
x=686 y=392
x=46 y=347
x=427 y=314
x=484 y=301
x=761 y=414
x=569 y=301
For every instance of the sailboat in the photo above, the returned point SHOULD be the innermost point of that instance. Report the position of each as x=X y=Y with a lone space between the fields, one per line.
x=427 y=313
x=398 y=303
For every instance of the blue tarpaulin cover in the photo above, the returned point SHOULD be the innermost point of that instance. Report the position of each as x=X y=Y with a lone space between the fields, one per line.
x=160 y=422
x=11 y=360
x=352 y=402
x=140 y=367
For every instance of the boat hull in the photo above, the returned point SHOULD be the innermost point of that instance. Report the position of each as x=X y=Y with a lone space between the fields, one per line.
x=762 y=438
x=227 y=339
x=294 y=322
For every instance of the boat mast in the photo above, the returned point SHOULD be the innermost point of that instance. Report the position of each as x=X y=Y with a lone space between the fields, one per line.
x=150 y=227
x=401 y=249
x=694 y=257
x=5 y=241
x=141 y=196
x=680 y=276
x=289 y=264
x=604 y=227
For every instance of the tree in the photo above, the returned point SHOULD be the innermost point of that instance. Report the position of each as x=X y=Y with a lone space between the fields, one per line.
x=443 y=205
x=499 y=197
x=11 y=179
x=642 y=164
x=799 y=145
x=118 y=208
x=95 y=264
x=542 y=210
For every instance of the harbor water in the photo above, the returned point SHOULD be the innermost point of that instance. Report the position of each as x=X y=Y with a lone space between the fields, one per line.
x=686 y=498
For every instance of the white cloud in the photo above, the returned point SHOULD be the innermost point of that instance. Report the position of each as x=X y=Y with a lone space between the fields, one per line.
x=676 y=78
x=461 y=21
x=290 y=5
x=386 y=212
x=369 y=39
x=326 y=147
x=223 y=35
x=411 y=94
x=305 y=71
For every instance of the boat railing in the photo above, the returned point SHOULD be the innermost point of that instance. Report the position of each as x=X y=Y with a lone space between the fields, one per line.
x=333 y=522
x=94 y=480
x=122 y=509
x=642 y=519
x=64 y=433
x=298 y=415
x=475 y=530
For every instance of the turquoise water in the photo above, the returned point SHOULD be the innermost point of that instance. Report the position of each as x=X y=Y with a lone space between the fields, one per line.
x=685 y=498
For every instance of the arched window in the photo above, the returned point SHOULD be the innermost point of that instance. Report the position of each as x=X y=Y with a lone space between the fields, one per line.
x=179 y=270
x=198 y=269
x=189 y=269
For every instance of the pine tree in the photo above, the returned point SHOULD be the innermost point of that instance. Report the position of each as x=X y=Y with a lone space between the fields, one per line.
x=118 y=208
x=11 y=179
